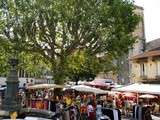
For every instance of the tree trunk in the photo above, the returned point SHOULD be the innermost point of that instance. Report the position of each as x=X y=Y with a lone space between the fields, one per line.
x=76 y=82
x=58 y=77
x=58 y=73
x=58 y=69
x=76 y=79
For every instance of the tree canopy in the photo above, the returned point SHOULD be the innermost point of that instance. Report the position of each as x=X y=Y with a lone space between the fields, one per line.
x=57 y=28
x=82 y=66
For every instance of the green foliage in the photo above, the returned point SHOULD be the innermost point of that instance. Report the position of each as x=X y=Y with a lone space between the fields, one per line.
x=3 y=62
x=33 y=63
x=108 y=63
x=30 y=63
x=81 y=65
x=13 y=42
x=57 y=28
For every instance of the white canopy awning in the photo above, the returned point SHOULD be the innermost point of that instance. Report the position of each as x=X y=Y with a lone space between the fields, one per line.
x=43 y=86
x=147 y=96
x=84 y=88
x=140 y=88
x=35 y=118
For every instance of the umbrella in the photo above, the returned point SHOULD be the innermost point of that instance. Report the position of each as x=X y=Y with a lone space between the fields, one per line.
x=43 y=86
x=147 y=96
x=84 y=88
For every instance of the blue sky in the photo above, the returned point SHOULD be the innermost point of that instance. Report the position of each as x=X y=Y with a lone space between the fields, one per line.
x=151 y=18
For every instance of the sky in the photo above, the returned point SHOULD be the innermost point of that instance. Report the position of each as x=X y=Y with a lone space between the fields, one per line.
x=151 y=18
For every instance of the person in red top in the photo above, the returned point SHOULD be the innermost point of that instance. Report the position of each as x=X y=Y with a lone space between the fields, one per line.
x=90 y=111
x=83 y=108
x=83 y=111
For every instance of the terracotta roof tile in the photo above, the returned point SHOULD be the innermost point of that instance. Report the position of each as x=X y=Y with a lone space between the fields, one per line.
x=147 y=54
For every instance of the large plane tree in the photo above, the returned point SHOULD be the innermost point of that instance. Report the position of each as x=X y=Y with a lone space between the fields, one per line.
x=55 y=29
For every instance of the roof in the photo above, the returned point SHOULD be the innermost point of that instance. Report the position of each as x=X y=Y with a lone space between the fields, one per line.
x=153 y=45
x=139 y=7
x=147 y=54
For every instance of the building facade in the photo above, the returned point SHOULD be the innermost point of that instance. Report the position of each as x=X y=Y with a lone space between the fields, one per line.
x=125 y=74
x=25 y=77
x=146 y=66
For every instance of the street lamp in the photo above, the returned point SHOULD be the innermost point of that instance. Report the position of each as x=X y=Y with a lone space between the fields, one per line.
x=11 y=102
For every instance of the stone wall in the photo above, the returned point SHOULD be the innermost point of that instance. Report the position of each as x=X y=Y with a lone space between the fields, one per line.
x=125 y=73
x=152 y=70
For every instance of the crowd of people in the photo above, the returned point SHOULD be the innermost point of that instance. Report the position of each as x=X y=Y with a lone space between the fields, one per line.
x=75 y=105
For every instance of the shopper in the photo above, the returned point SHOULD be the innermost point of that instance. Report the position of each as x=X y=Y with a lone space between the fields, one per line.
x=98 y=110
x=90 y=111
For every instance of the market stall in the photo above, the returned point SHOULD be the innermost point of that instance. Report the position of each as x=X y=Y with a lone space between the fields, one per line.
x=140 y=88
x=39 y=95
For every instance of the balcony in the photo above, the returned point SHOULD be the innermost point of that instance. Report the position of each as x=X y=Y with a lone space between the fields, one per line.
x=150 y=80
x=143 y=77
x=157 y=76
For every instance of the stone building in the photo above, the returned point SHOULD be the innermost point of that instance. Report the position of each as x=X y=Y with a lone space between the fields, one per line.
x=146 y=66
x=125 y=65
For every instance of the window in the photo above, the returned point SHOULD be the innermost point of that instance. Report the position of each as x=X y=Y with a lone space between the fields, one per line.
x=143 y=69
x=158 y=68
x=21 y=73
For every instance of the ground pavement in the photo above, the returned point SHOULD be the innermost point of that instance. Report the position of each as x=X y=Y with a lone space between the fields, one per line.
x=153 y=118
